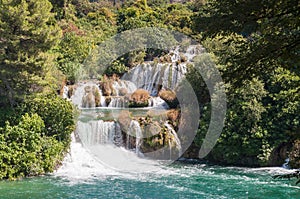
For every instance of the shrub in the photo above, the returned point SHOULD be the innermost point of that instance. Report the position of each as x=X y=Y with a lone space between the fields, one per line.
x=57 y=114
x=26 y=151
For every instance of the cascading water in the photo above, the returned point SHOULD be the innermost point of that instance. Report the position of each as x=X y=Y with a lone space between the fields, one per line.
x=155 y=76
x=130 y=87
x=176 y=139
x=84 y=96
x=118 y=102
x=102 y=99
x=99 y=132
x=286 y=164
x=65 y=93
x=104 y=138
x=136 y=131
x=158 y=103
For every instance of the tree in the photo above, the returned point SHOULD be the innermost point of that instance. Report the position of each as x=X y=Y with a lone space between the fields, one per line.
x=27 y=32
x=256 y=46
x=270 y=27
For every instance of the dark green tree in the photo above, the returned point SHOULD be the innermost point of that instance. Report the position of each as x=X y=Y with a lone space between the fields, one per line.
x=27 y=32
x=271 y=30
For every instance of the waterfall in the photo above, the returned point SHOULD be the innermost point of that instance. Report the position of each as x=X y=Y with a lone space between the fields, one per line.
x=118 y=102
x=154 y=102
x=102 y=99
x=176 y=139
x=130 y=87
x=65 y=94
x=192 y=51
x=136 y=131
x=99 y=132
x=104 y=138
x=154 y=77
x=286 y=164
x=80 y=164
x=85 y=95
x=78 y=94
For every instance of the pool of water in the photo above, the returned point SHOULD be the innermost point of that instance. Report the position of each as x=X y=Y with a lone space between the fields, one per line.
x=173 y=181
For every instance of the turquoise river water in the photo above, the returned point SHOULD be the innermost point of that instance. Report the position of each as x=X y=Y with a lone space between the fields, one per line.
x=173 y=181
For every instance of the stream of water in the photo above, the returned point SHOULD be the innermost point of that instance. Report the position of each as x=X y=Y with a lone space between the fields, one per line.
x=175 y=181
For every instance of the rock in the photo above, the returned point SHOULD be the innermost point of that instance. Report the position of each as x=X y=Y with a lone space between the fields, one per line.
x=173 y=115
x=279 y=154
x=97 y=96
x=151 y=129
x=88 y=100
x=183 y=58
x=91 y=97
x=169 y=97
x=71 y=90
x=107 y=88
x=123 y=92
x=139 y=98
x=107 y=100
x=124 y=120
x=294 y=155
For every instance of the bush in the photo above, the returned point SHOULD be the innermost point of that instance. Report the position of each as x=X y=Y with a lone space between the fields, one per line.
x=57 y=114
x=26 y=151
x=38 y=139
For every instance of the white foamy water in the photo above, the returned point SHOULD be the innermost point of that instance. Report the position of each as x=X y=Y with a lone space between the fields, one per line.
x=85 y=163
x=81 y=164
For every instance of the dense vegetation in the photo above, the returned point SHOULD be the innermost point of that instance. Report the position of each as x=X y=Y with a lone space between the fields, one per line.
x=256 y=46
x=44 y=44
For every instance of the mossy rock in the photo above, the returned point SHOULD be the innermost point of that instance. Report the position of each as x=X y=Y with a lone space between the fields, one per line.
x=139 y=98
x=169 y=97
x=294 y=155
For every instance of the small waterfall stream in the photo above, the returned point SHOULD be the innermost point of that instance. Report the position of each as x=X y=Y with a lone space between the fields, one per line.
x=99 y=132
x=176 y=139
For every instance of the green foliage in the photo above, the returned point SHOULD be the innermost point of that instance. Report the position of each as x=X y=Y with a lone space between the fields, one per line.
x=196 y=80
x=25 y=151
x=270 y=29
x=283 y=104
x=72 y=51
x=135 y=17
x=37 y=139
x=73 y=48
x=255 y=45
x=254 y=42
x=57 y=114
x=80 y=39
x=244 y=140
x=27 y=31
x=117 y=67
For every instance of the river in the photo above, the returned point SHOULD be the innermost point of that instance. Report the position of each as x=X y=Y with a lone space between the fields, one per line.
x=174 y=181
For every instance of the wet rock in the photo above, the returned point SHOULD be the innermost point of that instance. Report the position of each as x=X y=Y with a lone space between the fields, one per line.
x=88 y=100
x=124 y=120
x=91 y=97
x=123 y=91
x=294 y=155
x=169 y=97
